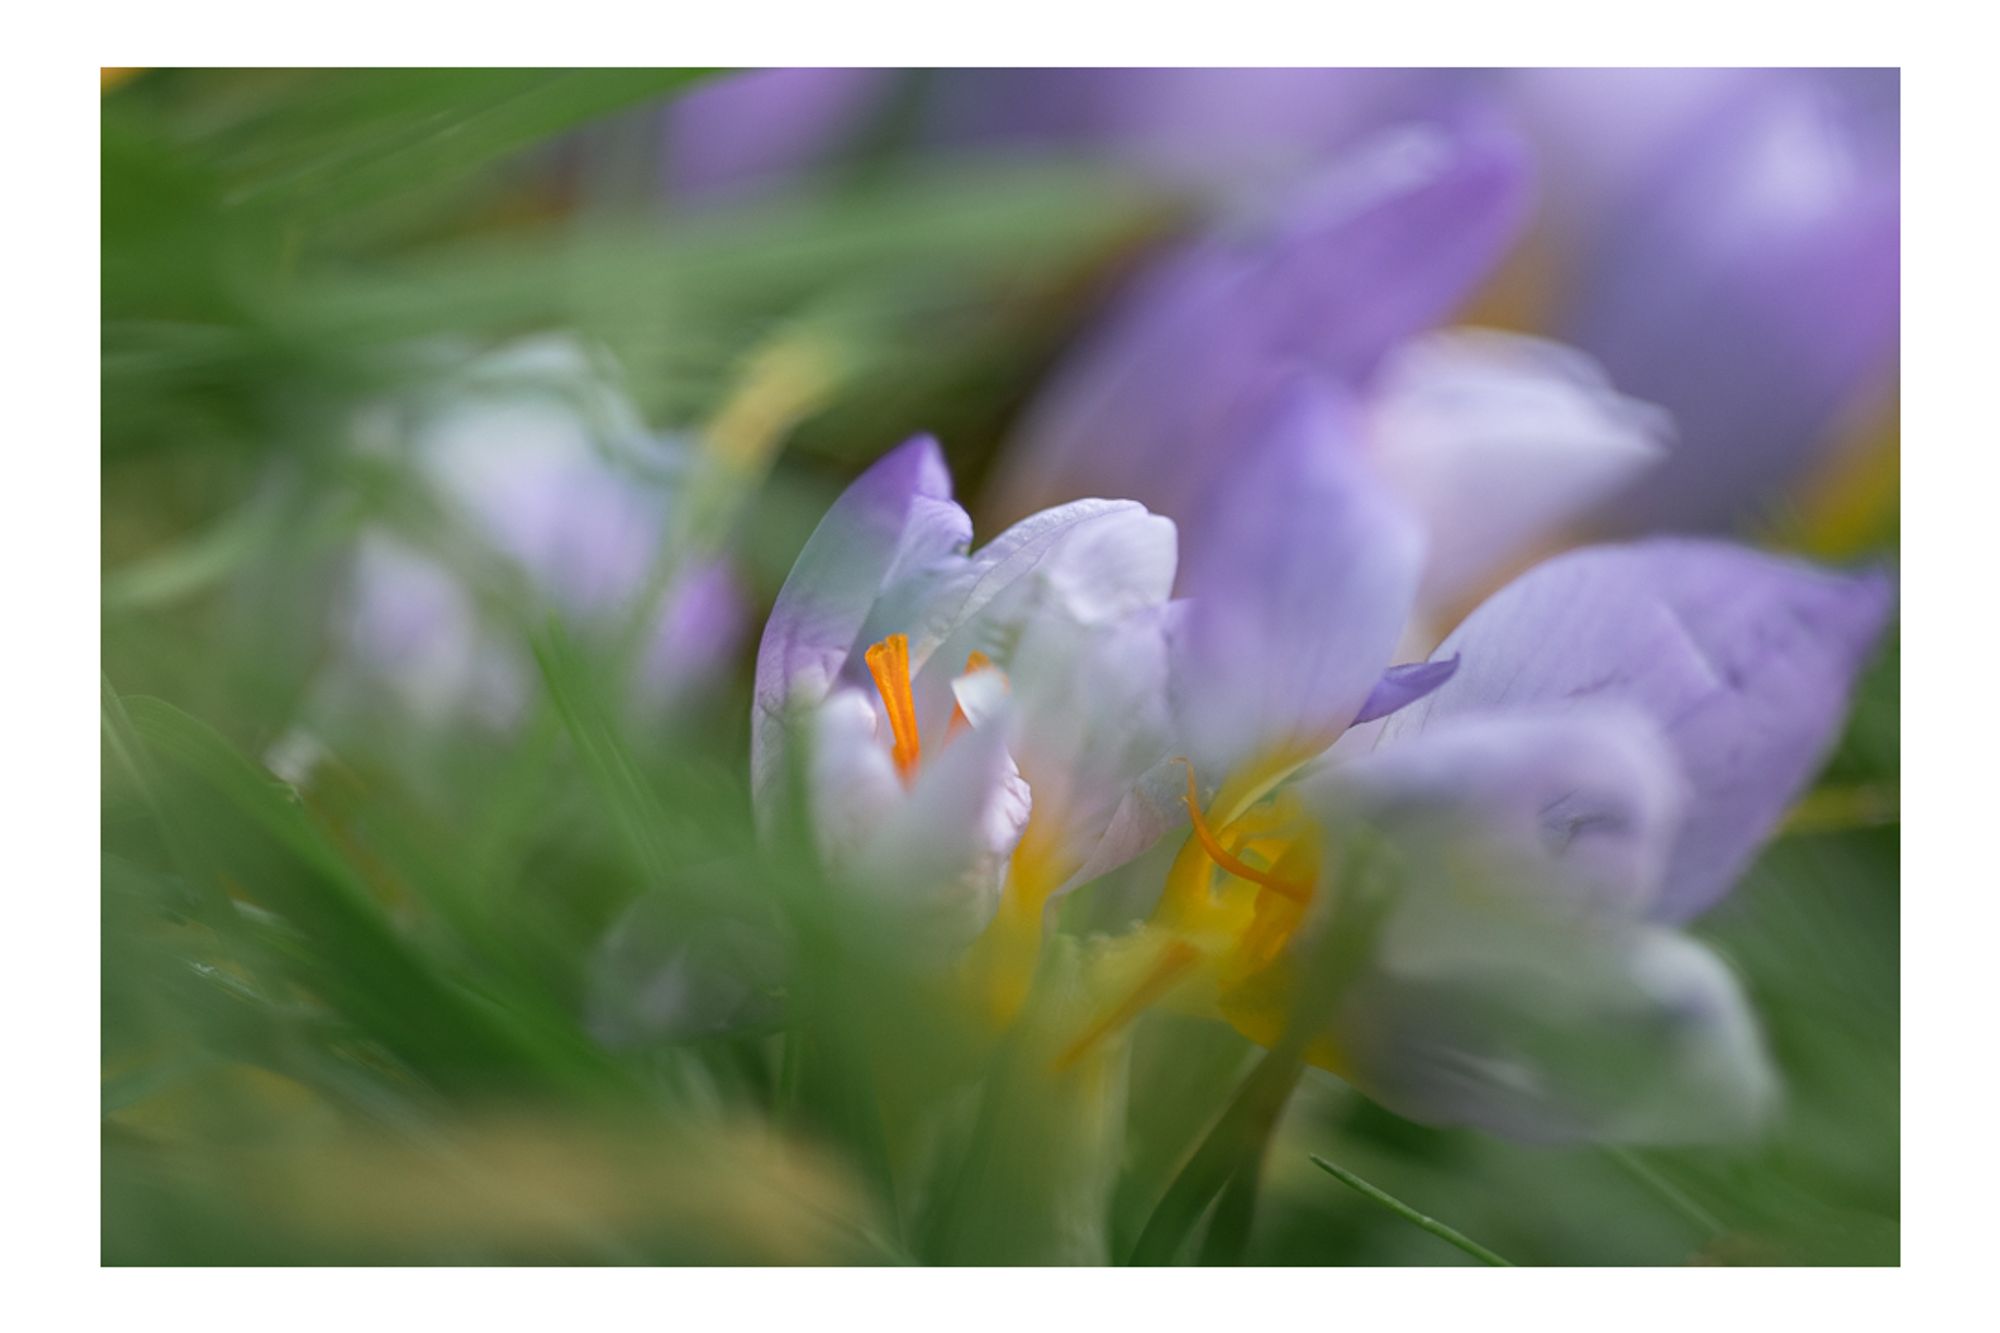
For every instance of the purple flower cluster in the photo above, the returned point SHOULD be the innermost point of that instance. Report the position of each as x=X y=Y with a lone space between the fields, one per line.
x=1326 y=482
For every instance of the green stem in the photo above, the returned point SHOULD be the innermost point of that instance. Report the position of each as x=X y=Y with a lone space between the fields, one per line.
x=1409 y=1214
x=1675 y=1197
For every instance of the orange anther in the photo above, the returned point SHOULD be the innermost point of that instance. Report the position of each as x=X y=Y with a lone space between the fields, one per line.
x=889 y=665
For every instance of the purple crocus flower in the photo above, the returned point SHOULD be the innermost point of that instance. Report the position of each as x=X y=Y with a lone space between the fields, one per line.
x=544 y=477
x=1588 y=761
x=1739 y=264
x=1359 y=258
x=1498 y=442
x=971 y=732
x=1229 y=127
x=761 y=128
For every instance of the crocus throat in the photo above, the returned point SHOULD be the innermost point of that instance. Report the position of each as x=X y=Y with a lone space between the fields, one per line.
x=889 y=666
x=1230 y=862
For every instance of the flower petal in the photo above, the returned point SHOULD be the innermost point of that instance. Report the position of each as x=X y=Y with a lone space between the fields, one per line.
x=1549 y=1030
x=1753 y=289
x=896 y=517
x=764 y=126
x=1300 y=595
x=1499 y=442
x=938 y=857
x=1093 y=720
x=1380 y=246
x=1592 y=796
x=1745 y=661
x=1402 y=686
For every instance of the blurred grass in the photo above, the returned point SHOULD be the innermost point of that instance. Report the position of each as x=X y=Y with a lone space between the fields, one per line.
x=349 y=1019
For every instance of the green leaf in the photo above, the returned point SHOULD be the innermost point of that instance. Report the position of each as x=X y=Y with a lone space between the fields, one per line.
x=246 y=833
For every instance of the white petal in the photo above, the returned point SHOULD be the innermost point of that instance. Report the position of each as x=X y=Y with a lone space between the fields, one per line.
x=1501 y=442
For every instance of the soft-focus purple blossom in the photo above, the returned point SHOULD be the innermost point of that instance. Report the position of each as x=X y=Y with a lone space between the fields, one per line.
x=946 y=711
x=542 y=475
x=1382 y=246
x=1502 y=445
x=1234 y=127
x=761 y=128
x=1740 y=266
x=1595 y=756
x=1300 y=592
x=1497 y=443
x=1745 y=661
x=1623 y=729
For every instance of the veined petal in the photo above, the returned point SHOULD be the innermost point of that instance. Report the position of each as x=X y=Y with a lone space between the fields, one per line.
x=1549 y=1030
x=1499 y=442
x=1300 y=594
x=896 y=517
x=1744 y=660
x=1593 y=794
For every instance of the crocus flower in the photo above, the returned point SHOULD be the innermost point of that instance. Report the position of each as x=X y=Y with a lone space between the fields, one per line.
x=1738 y=265
x=1588 y=761
x=1496 y=441
x=761 y=128
x=542 y=477
x=971 y=733
x=1222 y=127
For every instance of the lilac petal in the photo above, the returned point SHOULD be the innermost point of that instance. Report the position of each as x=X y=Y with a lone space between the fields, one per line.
x=1220 y=126
x=1382 y=245
x=764 y=126
x=1298 y=599
x=941 y=602
x=1753 y=289
x=408 y=624
x=1546 y=1029
x=1745 y=660
x=1601 y=133
x=698 y=630
x=1403 y=685
x=1091 y=561
x=1590 y=797
x=1391 y=241
x=537 y=450
x=1501 y=443
x=895 y=517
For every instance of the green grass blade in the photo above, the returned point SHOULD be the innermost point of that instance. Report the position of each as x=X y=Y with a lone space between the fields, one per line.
x=1411 y=1215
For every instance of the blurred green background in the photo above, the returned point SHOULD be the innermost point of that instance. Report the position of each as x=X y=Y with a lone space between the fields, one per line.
x=348 y=1020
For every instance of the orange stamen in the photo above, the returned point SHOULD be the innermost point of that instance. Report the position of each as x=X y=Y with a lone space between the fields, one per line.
x=974 y=661
x=1174 y=960
x=1223 y=857
x=889 y=664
